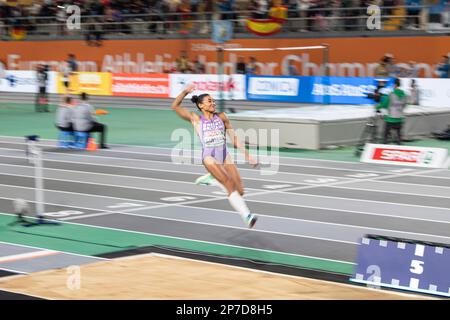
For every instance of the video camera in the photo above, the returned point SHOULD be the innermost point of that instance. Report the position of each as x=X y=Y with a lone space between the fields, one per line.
x=377 y=93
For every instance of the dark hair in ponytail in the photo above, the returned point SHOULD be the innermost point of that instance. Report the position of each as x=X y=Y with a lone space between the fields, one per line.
x=198 y=99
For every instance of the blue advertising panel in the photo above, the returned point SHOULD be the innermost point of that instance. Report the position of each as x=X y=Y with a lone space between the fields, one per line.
x=271 y=88
x=342 y=90
x=327 y=90
x=410 y=266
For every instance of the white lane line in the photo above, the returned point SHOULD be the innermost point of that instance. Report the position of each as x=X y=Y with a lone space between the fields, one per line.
x=9 y=277
x=429 y=177
x=293 y=193
x=202 y=241
x=187 y=221
x=221 y=225
x=303 y=188
x=85 y=156
x=219 y=197
x=196 y=174
x=244 y=176
x=78 y=194
x=165 y=149
x=406 y=184
x=292 y=219
x=39 y=248
x=101 y=214
x=110 y=185
x=394 y=192
x=27 y=256
x=30 y=168
x=382 y=170
x=340 y=198
x=191 y=183
x=303 y=207
x=244 y=228
x=349 y=211
x=262 y=215
x=383 y=174
x=287 y=190
x=201 y=165
x=433 y=177
x=157 y=205
x=383 y=167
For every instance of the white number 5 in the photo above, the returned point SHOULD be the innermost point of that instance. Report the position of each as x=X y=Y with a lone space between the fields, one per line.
x=416 y=266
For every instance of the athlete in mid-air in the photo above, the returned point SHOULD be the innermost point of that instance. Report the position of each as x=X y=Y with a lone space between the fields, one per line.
x=211 y=128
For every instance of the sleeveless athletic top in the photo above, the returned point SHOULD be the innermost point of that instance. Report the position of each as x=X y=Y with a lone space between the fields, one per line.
x=213 y=138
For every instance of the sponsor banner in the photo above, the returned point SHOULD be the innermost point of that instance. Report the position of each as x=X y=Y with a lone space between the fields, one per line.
x=335 y=90
x=350 y=56
x=19 y=81
x=432 y=92
x=52 y=86
x=93 y=83
x=141 y=85
x=274 y=88
x=233 y=85
x=25 y=81
x=343 y=90
x=405 y=155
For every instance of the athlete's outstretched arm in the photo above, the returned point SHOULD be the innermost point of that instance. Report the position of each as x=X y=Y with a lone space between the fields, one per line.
x=181 y=111
x=236 y=143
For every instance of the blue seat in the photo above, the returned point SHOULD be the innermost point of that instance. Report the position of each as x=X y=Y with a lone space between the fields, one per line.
x=81 y=139
x=66 y=139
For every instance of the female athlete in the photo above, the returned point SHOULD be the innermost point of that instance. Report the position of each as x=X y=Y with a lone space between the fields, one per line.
x=211 y=128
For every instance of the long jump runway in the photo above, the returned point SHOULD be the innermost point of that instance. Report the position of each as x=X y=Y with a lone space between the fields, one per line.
x=313 y=210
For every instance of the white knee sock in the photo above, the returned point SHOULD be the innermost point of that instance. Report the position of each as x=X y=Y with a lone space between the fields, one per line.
x=238 y=203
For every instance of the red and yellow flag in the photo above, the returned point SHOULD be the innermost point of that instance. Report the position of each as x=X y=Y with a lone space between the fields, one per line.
x=18 y=33
x=272 y=25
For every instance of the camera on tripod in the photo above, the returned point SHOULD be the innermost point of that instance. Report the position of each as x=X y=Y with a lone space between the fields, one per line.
x=370 y=132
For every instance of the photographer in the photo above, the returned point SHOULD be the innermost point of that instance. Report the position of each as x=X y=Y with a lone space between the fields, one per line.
x=379 y=91
x=395 y=103
x=41 y=103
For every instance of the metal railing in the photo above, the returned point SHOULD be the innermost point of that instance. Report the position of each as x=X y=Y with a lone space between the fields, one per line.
x=337 y=20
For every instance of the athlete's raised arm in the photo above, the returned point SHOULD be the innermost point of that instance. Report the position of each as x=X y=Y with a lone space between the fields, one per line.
x=184 y=113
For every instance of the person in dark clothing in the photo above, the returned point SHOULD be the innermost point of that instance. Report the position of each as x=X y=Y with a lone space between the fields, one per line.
x=395 y=103
x=240 y=66
x=84 y=120
x=41 y=103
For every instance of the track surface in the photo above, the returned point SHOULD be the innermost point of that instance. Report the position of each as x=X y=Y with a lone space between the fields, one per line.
x=309 y=208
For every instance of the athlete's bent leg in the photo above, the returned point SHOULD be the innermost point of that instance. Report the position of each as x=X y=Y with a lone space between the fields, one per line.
x=232 y=171
x=235 y=199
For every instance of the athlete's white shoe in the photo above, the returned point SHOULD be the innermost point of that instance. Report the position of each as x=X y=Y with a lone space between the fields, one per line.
x=251 y=220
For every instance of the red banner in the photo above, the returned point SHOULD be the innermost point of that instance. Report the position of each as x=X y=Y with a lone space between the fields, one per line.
x=140 y=85
x=397 y=155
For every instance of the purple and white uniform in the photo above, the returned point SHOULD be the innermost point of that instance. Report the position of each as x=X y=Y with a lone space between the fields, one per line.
x=213 y=139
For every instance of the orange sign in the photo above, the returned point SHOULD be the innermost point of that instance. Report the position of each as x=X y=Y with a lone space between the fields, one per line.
x=348 y=56
x=140 y=85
